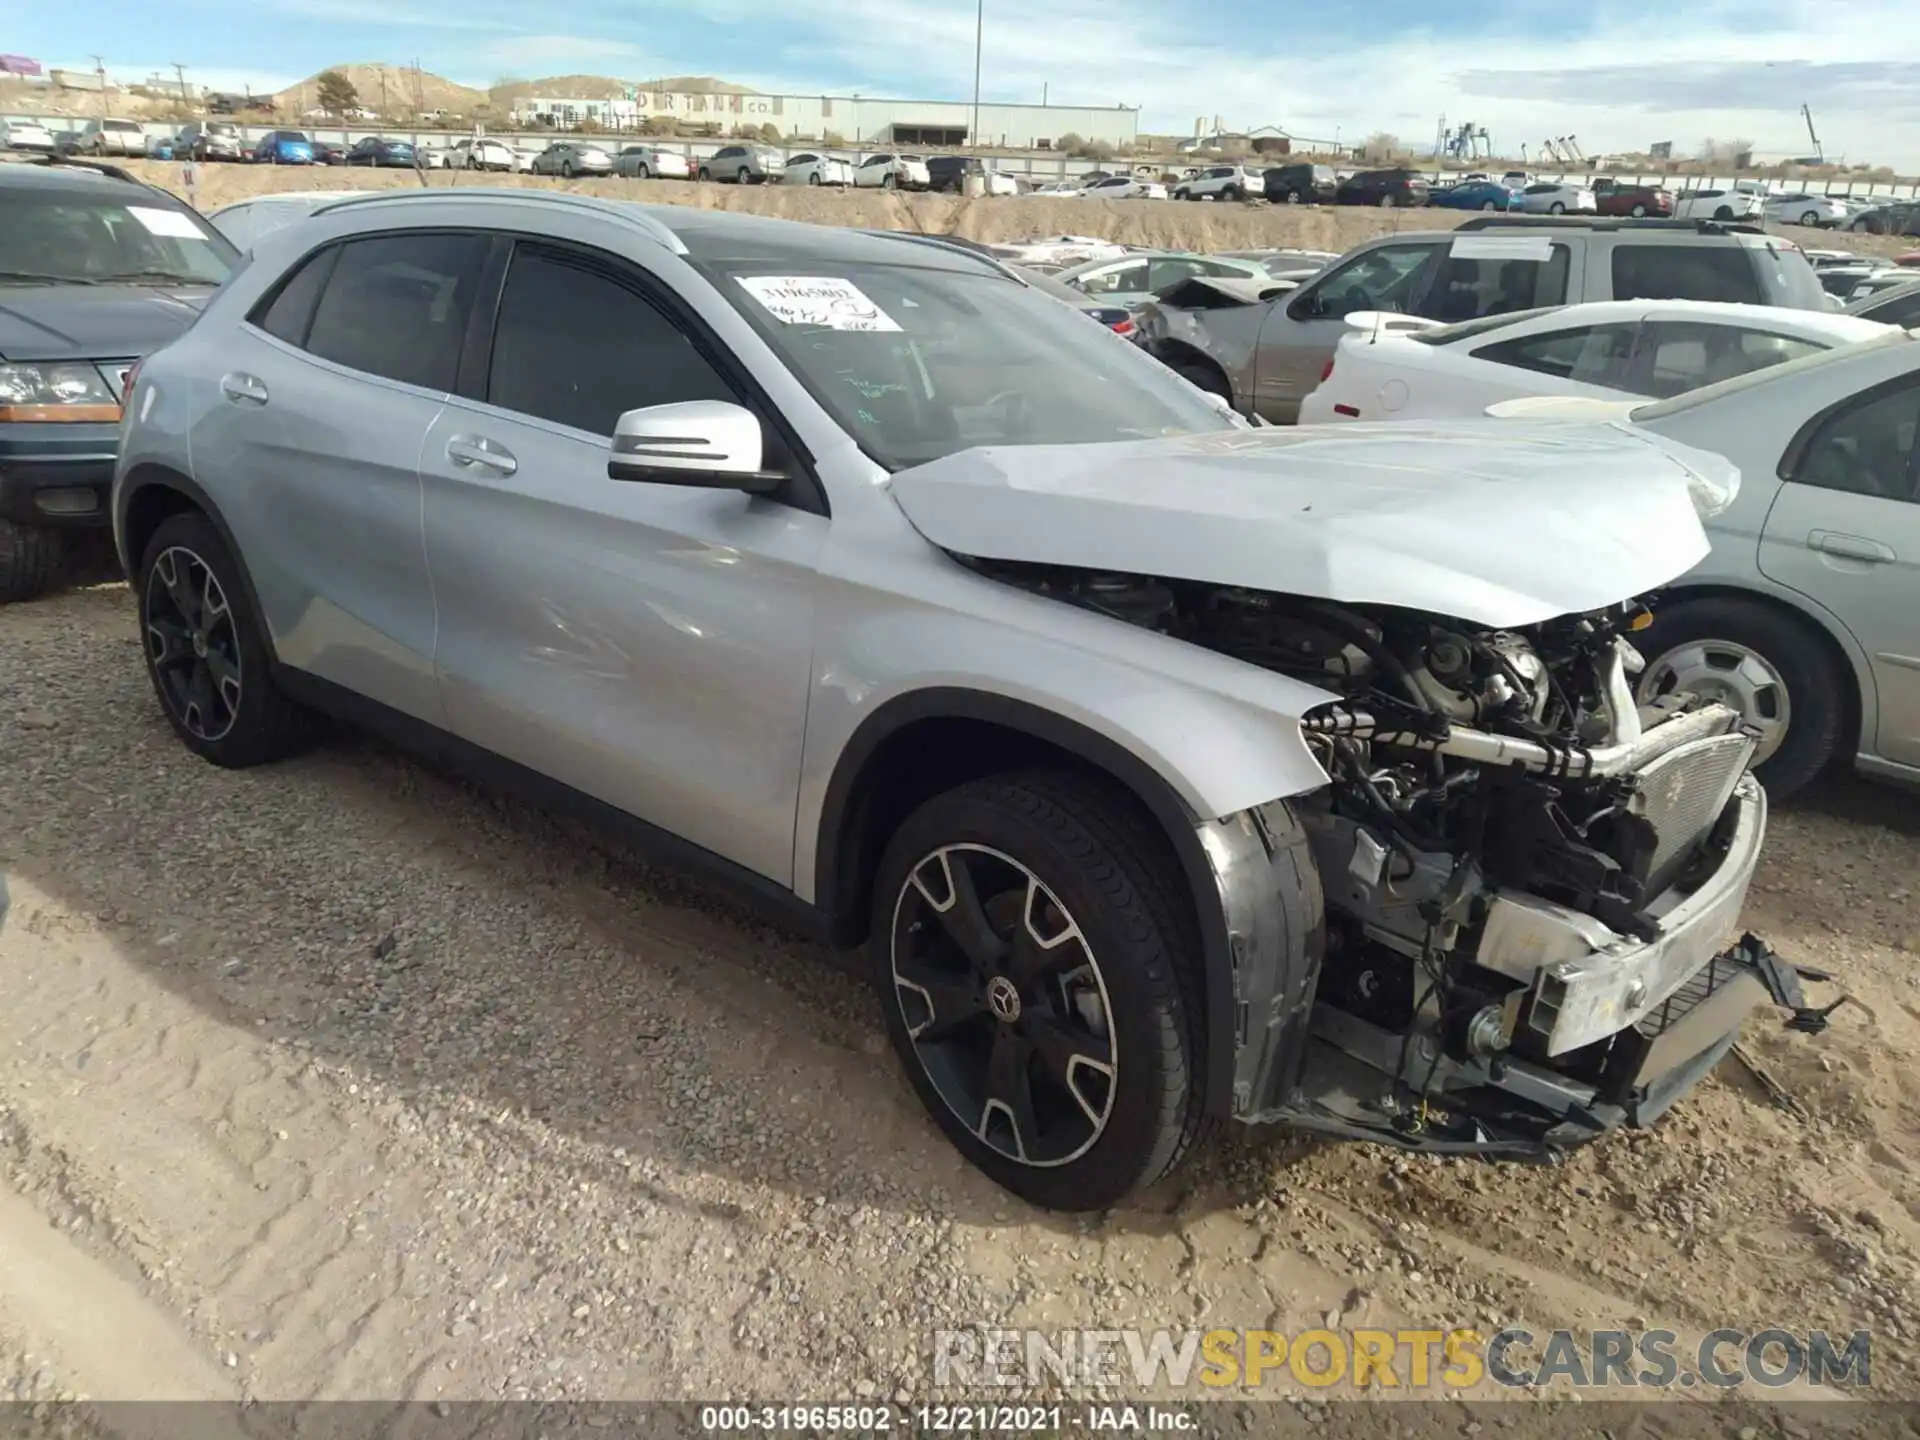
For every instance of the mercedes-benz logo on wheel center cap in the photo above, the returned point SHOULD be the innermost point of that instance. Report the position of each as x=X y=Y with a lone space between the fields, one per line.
x=1003 y=999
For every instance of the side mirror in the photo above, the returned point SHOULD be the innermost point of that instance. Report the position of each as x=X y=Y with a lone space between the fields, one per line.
x=710 y=443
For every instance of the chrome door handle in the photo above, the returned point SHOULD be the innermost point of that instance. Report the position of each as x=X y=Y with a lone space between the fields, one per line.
x=1851 y=547
x=243 y=389
x=476 y=452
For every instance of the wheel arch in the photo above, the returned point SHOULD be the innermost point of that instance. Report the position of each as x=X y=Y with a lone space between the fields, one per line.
x=1824 y=627
x=927 y=741
x=149 y=495
x=1171 y=352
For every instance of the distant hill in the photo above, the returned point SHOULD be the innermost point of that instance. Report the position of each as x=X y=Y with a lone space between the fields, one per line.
x=387 y=90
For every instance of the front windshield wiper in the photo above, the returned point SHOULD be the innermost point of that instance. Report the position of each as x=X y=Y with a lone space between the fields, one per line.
x=35 y=277
x=164 y=277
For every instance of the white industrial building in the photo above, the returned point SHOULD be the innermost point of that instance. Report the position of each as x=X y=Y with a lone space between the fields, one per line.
x=855 y=119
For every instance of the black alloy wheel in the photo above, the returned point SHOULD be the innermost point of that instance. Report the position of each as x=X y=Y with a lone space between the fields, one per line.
x=192 y=644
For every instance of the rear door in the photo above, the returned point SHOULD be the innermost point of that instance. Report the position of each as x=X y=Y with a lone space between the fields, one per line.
x=314 y=442
x=1845 y=532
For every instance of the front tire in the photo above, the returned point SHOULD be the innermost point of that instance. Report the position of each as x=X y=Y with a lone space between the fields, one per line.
x=206 y=651
x=1639 y=212
x=1767 y=664
x=1556 y=208
x=705 y=174
x=1039 y=977
x=1812 y=217
x=31 y=561
x=813 y=177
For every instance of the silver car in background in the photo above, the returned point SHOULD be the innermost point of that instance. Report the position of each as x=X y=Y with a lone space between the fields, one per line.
x=568 y=158
x=652 y=162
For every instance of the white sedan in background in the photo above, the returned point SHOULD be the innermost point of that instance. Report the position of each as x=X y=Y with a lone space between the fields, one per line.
x=1804 y=209
x=1400 y=367
x=26 y=135
x=1122 y=187
x=1551 y=199
x=808 y=168
x=1134 y=279
x=1719 y=205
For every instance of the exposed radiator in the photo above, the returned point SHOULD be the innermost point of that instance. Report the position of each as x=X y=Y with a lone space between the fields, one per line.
x=1683 y=792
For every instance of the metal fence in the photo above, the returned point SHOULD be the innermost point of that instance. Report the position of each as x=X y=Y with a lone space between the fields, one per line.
x=1037 y=167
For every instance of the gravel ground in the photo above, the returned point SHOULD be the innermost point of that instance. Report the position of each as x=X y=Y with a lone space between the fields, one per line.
x=344 y=1079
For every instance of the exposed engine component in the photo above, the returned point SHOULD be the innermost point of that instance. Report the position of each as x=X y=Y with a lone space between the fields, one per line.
x=1492 y=792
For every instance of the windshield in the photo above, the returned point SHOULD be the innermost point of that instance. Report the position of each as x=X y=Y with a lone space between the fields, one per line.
x=916 y=363
x=60 y=237
x=1790 y=373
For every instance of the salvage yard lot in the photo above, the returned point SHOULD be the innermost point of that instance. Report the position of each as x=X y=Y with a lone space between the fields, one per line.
x=357 y=1081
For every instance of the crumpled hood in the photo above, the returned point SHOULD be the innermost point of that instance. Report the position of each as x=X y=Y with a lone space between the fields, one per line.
x=1499 y=522
x=93 y=322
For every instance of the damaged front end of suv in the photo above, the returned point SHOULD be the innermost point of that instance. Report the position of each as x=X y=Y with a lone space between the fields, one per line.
x=1524 y=887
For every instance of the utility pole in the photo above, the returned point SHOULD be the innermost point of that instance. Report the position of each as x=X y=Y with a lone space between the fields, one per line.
x=180 y=72
x=100 y=74
x=1043 y=94
x=979 y=29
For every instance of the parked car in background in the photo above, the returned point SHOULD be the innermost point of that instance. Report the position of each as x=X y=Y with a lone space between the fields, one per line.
x=889 y=171
x=96 y=270
x=378 y=151
x=1806 y=615
x=1385 y=188
x=205 y=140
x=283 y=147
x=1612 y=197
x=160 y=147
x=742 y=165
x=1892 y=304
x=1057 y=252
x=1552 y=198
x=1132 y=279
x=950 y=172
x=1028 y=669
x=652 y=162
x=1123 y=187
x=1719 y=205
x=476 y=153
x=28 y=136
x=568 y=158
x=105 y=137
x=1800 y=208
x=1285 y=263
x=1299 y=184
x=812 y=168
x=1844 y=280
x=524 y=156
x=325 y=152
x=1899 y=218
x=1266 y=356
x=245 y=222
x=1401 y=367
x=1222 y=182
x=434 y=157
x=1475 y=195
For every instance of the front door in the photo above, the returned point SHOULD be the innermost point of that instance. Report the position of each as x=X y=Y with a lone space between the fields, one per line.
x=647 y=644
x=1845 y=532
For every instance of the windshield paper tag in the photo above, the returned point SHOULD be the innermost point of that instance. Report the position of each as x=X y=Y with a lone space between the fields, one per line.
x=817 y=300
x=1501 y=247
x=170 y=223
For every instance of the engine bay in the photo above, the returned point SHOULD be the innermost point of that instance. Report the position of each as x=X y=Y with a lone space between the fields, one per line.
x=1498 y=802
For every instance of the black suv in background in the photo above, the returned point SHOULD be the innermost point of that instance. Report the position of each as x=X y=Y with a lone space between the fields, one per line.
x=1300 y=184
x=949 y=172
x=96 y=270
x=1385 y=188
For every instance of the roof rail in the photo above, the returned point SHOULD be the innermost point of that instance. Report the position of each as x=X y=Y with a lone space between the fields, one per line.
x=111 y=171
x=633 y=211
x=1609 y=222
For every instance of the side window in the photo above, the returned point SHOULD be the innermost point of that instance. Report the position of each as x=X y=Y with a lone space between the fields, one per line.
x=1381 y=279
x=1171 y=271
x=576 y=346
x=1592 y=355
x=1867 y=448
x=288 y=314
x=396 y=306
x=1469 y=289
x=1902 y=309
x=1122 y=279
x=1685 y=272
x=1682 y=357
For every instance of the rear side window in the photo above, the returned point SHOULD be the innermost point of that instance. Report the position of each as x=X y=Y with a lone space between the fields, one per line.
x=288 y=314
x=575 y=345
x=1686 y=272
x=1591 y=355
x=396 y=306
x=1867 y=448
x=1682 y=357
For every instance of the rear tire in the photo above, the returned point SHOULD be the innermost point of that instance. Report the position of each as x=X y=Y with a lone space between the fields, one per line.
x=1078 y=1000
x=1808 y=701
x=1723 y=213
x=243 y=719
x=1556 y=208
x=1489 y=205
x=813 y=177
x=1812 y=217
x=705 y=174
x=31 y=561
x=1205 y=377
x=1386 y=202
x=889 y=181
x=1638 y=212
x=745 y=177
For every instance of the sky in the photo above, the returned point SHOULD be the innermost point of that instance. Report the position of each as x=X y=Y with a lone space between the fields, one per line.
x=1617 y=74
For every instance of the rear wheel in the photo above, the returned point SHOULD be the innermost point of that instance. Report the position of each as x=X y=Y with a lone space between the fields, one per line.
x=566 y=169
x=31 y=560
x=744 y=177
x=1205 y=376
x=1233 y=192
x=1770 y=666
x=1638 y=212
x=1556 y=208
x=1039 y=976
x=1489 y=205
x=704 y=174
x=813 y=177
x=206 y=651
x=1812 y=217
x=889 y=180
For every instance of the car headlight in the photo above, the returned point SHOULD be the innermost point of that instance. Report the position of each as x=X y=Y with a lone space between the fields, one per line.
x=55 y=392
